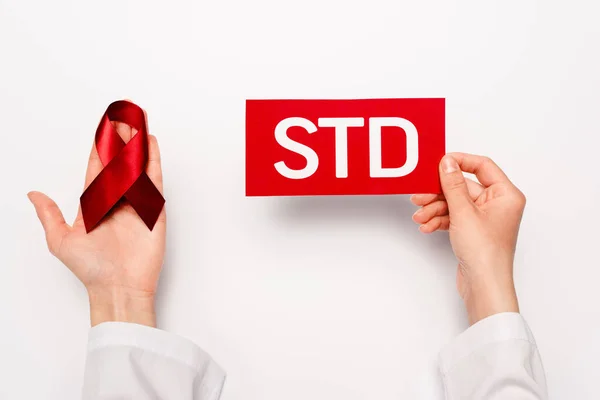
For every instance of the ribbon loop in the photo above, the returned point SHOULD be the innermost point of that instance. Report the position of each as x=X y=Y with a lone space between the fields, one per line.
x=123 y=175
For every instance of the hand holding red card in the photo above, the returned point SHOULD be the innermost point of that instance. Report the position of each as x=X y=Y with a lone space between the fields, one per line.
x=336 y=147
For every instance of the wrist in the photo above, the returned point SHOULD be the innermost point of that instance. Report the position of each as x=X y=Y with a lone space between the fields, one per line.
x=486 y=298
x=118 y=304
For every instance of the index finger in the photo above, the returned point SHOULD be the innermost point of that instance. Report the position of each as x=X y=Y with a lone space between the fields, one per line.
x=486 y=170
x=94 y=166
x=154 y=169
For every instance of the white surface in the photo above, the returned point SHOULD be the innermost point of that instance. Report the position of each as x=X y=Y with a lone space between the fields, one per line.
x=320 y=298
x=496 y=358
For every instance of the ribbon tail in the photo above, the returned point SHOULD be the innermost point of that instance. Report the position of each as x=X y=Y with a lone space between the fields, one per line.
x=146 y=200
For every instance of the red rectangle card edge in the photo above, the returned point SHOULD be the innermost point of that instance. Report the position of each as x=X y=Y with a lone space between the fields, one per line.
x=263 y=151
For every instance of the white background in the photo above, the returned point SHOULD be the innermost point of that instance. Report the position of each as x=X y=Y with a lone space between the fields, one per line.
x=302 y=298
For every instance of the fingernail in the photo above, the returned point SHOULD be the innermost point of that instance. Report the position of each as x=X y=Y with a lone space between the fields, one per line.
x=416 y=213
x=449 y=165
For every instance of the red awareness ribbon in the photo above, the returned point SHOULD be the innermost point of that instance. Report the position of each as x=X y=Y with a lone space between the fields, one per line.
x=124 y=172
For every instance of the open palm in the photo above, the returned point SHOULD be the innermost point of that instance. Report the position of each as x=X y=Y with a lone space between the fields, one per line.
x=120 y=260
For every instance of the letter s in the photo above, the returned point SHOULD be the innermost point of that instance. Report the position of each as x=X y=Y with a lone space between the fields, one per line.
x=312 y=159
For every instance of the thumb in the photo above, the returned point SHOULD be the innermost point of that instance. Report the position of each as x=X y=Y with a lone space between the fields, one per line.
x=51 y=218
x=454 y=185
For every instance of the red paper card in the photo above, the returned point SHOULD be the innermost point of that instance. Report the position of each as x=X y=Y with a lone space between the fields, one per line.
x=337 y=147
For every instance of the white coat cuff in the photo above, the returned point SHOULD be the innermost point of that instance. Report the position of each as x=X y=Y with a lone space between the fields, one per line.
x=493 y=329
x=159 y=342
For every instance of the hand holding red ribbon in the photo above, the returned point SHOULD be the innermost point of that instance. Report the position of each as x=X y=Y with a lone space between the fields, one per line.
x=124 y=173
x=120 y=261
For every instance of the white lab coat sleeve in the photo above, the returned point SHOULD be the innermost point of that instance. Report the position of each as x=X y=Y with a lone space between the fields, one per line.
x=131 y=361
x=495 y=359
